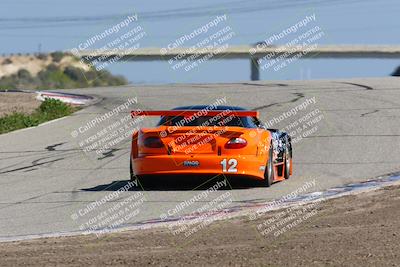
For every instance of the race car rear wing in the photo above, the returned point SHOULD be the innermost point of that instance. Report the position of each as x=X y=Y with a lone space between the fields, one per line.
x=193 y=112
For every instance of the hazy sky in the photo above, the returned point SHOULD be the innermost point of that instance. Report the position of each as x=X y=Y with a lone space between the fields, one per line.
x=49 y=25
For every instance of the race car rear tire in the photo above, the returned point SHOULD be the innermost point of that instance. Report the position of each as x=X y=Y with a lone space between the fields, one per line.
x=131 y=174
x=287 y=164
x=269 y=173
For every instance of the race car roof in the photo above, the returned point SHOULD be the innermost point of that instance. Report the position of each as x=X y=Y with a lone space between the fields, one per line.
x=200 y=107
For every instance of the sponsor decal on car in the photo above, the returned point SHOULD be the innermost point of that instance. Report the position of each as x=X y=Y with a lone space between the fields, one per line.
x=191 y=163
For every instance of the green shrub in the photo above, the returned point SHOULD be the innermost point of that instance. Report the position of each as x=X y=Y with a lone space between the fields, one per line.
x=55 y=108
x=24 y=74
x=41 y=56
x=49 y=109
x=53 y=77
x=52 y=67
x=7 y=61
x=108 y=79
x=91 y=75
x=75 y=74
x=57 y=56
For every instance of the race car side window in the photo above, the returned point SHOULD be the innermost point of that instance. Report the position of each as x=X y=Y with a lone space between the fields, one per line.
x=257 y=122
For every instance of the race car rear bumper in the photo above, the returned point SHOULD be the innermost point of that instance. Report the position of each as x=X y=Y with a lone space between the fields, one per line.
x=250 y=166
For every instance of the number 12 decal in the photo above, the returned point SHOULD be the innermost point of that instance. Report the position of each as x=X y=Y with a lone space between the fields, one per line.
x=229 y=165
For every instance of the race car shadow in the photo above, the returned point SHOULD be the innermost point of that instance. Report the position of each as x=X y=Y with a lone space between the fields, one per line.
x=176 y=184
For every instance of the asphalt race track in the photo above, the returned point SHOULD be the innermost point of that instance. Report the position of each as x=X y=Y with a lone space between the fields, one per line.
x=46 y=178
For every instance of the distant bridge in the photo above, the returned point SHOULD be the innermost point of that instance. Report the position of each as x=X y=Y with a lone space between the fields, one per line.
x=254 y=54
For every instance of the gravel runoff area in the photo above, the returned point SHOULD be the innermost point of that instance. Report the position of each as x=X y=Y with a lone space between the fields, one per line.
x=356 y=230
x=17 y=102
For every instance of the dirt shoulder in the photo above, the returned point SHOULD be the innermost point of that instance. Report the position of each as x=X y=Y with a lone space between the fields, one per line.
x=360 y=230
x=17 y=102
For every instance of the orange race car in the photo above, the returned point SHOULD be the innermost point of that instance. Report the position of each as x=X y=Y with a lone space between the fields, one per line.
x=210 y=140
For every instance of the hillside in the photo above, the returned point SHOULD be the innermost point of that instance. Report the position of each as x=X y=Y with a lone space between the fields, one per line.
x=51 y=71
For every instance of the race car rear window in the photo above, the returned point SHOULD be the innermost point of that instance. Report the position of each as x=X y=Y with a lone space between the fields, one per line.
x=232 y=121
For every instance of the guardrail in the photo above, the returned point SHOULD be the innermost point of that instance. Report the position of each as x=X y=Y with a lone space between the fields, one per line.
x=253 y=53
